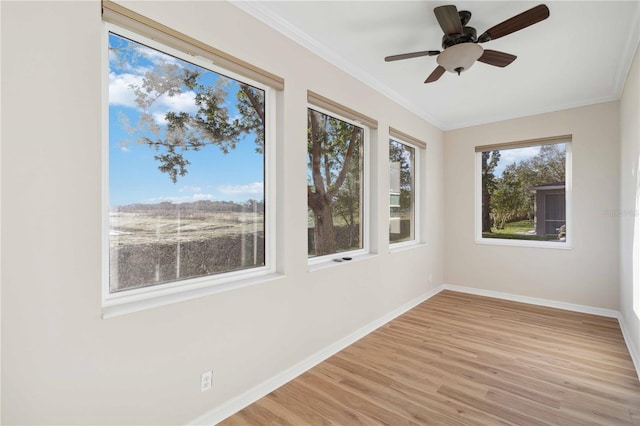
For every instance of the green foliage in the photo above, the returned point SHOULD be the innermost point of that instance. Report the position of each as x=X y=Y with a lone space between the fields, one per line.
x=510 y=199
x=251 y=108
x=519 y=230
x=519 y=226
x=173 y=164
x=490 y=160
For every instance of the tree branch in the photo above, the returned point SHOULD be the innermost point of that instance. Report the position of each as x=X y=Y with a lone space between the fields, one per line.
x=347 y=161
x=316 y=154
x=255 y=103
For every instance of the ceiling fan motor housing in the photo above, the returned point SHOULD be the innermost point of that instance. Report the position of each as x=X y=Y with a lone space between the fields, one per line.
x=469 y=35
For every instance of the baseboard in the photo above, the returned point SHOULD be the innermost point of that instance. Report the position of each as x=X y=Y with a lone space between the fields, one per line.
x=236 y=404
x=633 y=351
x=534 y=301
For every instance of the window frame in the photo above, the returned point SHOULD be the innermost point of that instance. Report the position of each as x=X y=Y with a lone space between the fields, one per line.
x=118 y=303
x=365 y=215
x=417 y=191
x=479 y=239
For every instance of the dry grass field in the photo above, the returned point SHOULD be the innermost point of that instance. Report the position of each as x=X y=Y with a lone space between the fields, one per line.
x=172 y=227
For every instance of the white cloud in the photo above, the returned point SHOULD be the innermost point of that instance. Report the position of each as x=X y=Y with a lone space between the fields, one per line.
x=159 y=117
x=157 y=57
x=183 y=102
x=187 y=188
x=119 y=91
x=199 y=197
x=255 y=188
x=508 y=156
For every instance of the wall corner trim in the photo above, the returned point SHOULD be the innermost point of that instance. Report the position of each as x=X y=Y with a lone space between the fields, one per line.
x=236 y=404
x=633 y=350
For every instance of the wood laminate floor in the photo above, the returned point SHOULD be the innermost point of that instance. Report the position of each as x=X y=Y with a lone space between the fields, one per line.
x=460 y=359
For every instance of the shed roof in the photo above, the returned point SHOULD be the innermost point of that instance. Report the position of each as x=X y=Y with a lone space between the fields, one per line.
x=548 y=186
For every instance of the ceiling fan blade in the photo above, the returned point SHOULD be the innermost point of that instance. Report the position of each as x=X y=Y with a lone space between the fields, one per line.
x=495 y=58
x=518 y=22
x=448 y=19
x=436 y=74
x=411 y=55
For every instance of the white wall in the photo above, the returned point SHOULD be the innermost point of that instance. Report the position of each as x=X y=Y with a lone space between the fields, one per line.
x=629 y=214
x=62 y=363
x=585 y=275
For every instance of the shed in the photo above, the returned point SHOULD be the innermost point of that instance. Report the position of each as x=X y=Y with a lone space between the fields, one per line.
x=550 y=208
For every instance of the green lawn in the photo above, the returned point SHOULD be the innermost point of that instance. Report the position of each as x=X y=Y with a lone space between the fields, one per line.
x=511 y=232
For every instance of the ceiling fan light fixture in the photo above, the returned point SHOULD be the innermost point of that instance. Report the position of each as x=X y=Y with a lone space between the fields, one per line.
x=459 y=57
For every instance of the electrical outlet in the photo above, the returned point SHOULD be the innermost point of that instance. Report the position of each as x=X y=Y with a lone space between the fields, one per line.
x=430 y=278
x=205 y=380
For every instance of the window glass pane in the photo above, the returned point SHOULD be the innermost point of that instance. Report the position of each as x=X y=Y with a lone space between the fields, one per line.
x=401 y=192
x=523 y=193
x=186 y=169
x=334 y=184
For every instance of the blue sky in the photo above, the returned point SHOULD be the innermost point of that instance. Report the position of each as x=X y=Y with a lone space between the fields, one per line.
x=133 y=172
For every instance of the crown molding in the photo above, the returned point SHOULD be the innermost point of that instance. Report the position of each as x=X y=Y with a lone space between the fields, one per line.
x=261 y=12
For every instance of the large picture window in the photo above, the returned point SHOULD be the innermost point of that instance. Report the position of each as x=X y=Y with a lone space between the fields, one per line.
x=335 y=184
x=187 y=150
x=523 y=193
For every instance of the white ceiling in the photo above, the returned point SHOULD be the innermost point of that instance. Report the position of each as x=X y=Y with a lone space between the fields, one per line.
x=580 y=55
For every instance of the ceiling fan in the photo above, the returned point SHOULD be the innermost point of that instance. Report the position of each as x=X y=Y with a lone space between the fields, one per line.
x=460 y=44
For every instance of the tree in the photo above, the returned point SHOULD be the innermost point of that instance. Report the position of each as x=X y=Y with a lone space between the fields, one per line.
x=510 y=196
x=490 y=161
x=510 y=199
x=547 y=166
x=347 y=204
x=332 y=147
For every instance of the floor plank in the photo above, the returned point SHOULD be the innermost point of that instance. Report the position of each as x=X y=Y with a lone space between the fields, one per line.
x=461 y=359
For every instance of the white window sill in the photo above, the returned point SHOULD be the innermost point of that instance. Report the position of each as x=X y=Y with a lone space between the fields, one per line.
x=525 y=243
x=153 y=299
x=331 y=261
x=409 y=245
